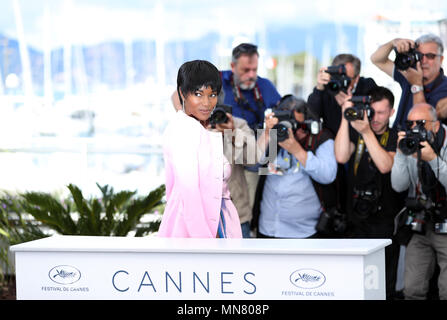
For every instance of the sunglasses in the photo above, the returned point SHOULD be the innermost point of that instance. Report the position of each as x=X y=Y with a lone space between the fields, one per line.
x=429 y=56
x=409 y=123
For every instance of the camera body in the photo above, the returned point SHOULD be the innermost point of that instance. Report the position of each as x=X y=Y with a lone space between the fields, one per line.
x=405 y=60
x=417 y=214
x=332 y=221
x=286 y=119
x=439 y=216
x=413 y=137
x=219 y=114
x=362 y=104
x=365 y=201
x=339 y=79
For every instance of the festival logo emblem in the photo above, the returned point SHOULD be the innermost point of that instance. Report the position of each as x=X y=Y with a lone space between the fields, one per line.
x=307 y=278
x=64 y=275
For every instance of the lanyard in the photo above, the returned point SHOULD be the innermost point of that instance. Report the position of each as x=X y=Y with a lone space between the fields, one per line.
x=242 y=102
x=361 y=148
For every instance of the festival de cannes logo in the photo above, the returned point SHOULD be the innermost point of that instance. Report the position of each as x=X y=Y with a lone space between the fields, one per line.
x=307 y=278
x=64 y=275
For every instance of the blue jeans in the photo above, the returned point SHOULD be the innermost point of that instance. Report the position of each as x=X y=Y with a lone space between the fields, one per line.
x=245 y=229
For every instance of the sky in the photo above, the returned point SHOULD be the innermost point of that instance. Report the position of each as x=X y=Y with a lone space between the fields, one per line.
x=92 y=21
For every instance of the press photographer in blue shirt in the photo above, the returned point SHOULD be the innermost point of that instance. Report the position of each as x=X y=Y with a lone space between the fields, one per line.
x=417 y=69
x=287 y=204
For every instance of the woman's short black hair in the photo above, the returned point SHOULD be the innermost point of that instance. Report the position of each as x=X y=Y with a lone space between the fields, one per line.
x=196 y=74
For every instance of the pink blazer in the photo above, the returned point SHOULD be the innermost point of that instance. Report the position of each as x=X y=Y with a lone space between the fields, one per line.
x=194 y=177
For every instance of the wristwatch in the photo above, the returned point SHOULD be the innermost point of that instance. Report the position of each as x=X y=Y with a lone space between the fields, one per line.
x=415 y=88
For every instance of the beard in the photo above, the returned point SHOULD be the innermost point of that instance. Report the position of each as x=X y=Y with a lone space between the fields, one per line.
x=381 y=127
x=243 y=85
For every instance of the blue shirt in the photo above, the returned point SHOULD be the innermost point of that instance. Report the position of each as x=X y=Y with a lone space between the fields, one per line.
x=269 y=94
x=433 y=92
x=290 y=207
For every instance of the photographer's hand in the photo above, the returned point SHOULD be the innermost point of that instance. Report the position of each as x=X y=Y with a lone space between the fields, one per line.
x=322 y=78
x=400 y=136
x=346 y=103
x=227 y=125
x=341 y=97
x=270 y=121
x=294 y=148
x=414 y=76
x=362 y=126
x=427 y=152
x=403 y=45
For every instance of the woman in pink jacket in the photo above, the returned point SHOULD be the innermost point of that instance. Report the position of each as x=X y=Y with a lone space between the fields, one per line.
x=198 y=198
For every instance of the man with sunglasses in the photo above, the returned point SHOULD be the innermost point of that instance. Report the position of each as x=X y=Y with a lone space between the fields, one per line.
x=424 y=83
x=368 y=146
x=425 y=248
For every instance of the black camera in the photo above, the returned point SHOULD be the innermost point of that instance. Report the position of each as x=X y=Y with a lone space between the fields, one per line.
x=439 y=215
x=405 y=60
x=362 y=104
x=331 y=221
x=413 y=137
x=219 y=114
x=339 y=80
x=417 y=214
x=286 y=120
x=365 y=201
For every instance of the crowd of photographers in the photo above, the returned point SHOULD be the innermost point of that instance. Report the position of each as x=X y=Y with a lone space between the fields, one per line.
x=334 y=167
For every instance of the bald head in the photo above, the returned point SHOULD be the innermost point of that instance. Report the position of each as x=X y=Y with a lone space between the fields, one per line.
x=424 y=111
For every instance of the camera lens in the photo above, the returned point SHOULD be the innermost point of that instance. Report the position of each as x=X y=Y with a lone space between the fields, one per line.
x=282 y=132
x=352 y=114
x=218 y=116
x=408 y=145
x=405 y=60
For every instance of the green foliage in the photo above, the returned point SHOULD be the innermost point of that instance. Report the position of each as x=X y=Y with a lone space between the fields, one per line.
x=114 y=214
x=25 y=217
x=15 y=228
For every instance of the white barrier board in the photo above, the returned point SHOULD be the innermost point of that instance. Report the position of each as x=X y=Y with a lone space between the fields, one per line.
x=80 y=267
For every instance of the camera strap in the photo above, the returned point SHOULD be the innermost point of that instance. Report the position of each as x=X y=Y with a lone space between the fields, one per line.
x=361 y=148
x=243 y=102
x=428 y=181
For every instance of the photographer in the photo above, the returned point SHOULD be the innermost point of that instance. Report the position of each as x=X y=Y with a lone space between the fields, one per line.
x=367 y=142
x=417 y=69
x=420 y=166
x=325 y=101
x=287 y=204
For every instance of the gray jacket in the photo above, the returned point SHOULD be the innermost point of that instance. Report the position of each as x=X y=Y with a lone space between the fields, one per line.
x=404 y=173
